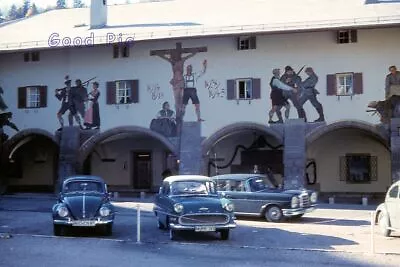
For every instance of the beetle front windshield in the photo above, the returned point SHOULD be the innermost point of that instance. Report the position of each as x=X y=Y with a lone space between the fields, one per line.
x=192 y=188
x=83 y=186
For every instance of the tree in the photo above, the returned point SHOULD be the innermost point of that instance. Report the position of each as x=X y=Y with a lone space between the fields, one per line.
x=61 y=4
x=78 y=4
x=25 y=7
x=1 y=16
x=32 y=11
x=13 y=12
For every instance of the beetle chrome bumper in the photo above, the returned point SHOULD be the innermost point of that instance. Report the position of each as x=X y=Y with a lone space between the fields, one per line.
x=298 y=211
x=193 y=227
x=82 y=223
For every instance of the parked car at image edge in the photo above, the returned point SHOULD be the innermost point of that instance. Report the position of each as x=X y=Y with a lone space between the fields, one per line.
x=260 y=195
x=191 y=203
x=83 y=202
x=387 y=214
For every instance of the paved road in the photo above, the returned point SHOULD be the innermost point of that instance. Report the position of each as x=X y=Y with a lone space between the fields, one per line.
x=326 y=236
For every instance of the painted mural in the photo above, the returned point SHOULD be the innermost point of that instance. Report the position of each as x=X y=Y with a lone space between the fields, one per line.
x=81 y=105
x=215 y=89
x=390 y=107
x=5 y=118
x=155 y=92
x=291 y=87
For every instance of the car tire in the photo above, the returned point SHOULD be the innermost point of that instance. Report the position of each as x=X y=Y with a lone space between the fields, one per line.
x=172 y=234
x=383 y=222
x=160 y=225
x=273 y=214
x=224 y=234
x=58 y=230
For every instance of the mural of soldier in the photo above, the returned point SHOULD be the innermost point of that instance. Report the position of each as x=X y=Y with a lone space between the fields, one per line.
x=5 y=118
x=79 y=97
x=292 y=79
x=392 y=79
x=309 y=93
x=92 y=115
x=164 y=123
x=3 y=105
x=277 y=97
x=190 y=91
x=66 y=95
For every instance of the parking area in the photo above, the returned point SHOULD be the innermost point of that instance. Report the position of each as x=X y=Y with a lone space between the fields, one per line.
x=329 y=228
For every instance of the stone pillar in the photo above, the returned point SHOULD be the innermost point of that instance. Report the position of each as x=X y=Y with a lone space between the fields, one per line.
x=294 y=154
x=395 y=148
x=190 y=148
x=68 y=157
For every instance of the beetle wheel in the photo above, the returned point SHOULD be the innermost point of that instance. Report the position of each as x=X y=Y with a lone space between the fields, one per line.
x=58 y=230
x=224 y=234
x=383 y=222
x=273 y=214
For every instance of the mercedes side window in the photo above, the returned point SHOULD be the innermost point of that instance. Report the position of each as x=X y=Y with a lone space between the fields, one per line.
x=394 y=192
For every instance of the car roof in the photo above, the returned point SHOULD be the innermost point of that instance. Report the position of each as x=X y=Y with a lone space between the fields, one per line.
x=83 y=178
x=237 y=176
x=177 y=178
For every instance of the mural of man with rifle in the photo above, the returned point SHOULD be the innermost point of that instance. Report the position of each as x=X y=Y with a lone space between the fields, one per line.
x=292 y=79
x=79 y=98
x=66 y=96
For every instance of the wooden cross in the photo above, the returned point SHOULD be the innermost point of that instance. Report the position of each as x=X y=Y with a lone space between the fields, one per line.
x=178 y=50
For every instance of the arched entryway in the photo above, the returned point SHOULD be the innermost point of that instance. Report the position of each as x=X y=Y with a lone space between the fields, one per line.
x=129 y=158
x=348 y=157
x=29 y=161
x=237 y=147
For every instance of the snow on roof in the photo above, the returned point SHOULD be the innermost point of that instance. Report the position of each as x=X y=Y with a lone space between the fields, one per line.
x=195 y=18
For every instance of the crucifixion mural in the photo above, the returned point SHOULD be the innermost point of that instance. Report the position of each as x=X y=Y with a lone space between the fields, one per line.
x=177 y=60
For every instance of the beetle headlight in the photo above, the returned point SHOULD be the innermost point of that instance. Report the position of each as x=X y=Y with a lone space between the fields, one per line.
x=314 y=197
x=62 y=211
x=104 y=211
x=294 y=202
x=178 y=208
x=229 y=207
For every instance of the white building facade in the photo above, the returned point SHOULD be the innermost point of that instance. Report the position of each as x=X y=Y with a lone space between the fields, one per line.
x=347 y=153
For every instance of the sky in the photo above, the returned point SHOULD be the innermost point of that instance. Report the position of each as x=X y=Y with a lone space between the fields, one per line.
x=5 y=4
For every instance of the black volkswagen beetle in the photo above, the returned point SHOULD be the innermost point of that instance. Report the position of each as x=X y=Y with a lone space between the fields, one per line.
x=83 y=202
x=257 y=194
x=191 y=203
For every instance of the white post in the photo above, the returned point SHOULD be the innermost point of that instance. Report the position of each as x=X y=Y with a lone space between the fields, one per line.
x=372 y=232
x=138 y=224
x=215 y=162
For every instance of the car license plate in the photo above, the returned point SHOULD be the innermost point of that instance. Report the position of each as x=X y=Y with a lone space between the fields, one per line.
x=204 y=229
x=84 y=223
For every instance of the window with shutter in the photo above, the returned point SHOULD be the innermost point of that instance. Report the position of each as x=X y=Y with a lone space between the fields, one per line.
x=230 y=90
x=358 y=168
x=331 y=84
x=256 y=88
x=21 y=97
x=111 y=93
x=43 y=96
x=246 y=42
x=135 y=91
x=346 y=36
x=358 y=84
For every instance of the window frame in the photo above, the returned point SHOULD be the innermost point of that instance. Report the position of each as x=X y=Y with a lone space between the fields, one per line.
x=350 y=36
x=246 y=42
x=338 y=84
x=351 y=181
x=246 y=81
x=127 y=97
x=393 y=188
x=28 y=97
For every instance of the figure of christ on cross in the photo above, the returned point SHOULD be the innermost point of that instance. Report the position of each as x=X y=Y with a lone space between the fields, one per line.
x=174 y=56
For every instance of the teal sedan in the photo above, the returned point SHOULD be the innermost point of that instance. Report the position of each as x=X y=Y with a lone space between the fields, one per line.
x=191 y=203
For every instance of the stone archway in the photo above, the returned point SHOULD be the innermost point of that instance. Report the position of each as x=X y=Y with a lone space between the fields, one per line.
x=39 y=159
x=365 y=127
x=118 y=153
x=247 y=137
x=348 y=157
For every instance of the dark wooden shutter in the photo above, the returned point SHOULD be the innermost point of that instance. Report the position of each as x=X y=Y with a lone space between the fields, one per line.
x=342 y=168
x=230 y=90
x=135 y=91
x=252 y=42
x=353 y=36
x=21 y=97
x=256 y=90
x=111 y=93
x=374 y=168
x=238 y=43
x=357 y=84
x=331 y=84
x=43 y=96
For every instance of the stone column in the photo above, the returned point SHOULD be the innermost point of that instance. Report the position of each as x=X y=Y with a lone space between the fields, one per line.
x=294 y=154
x=190 y=148
x=395 y=148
